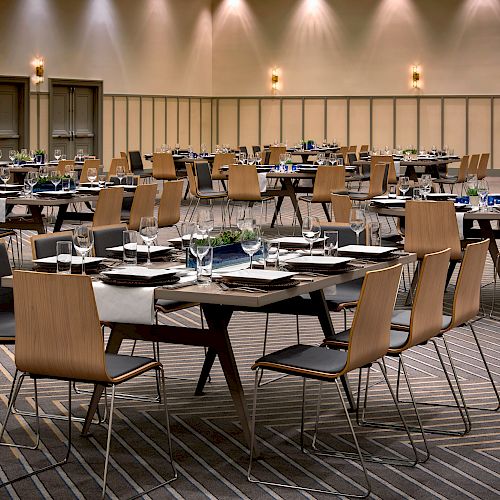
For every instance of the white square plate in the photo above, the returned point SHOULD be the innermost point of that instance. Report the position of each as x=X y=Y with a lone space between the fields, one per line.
x=143 y=249
x=258 y=275
x=139 y=272
x=319 y=260
x=366 y=249
x=76 y=260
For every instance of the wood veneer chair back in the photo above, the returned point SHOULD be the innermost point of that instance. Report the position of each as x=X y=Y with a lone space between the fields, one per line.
x=45 y=245
x=108 y=208
x=328 y=179
x=6 y=294
x=378 y=179
x=341 y=207
x=364 y=147
x=89 y=164
x=69 y=345
x=143 y=205
x=473 y=164
x=343 y=151
x=369 y=335
x=124 y=155
x=427 y=310
x=61 y=166
x=276 y=151
x=115 y=162
x=352 y=149
x=221 y=159
x=193 y=183
x=169 y=212
x=463 y=170
x=392 y=177
x=164 y=167
x=482 y=168
x=431 y=226
x=466 y=301
x=243 y=183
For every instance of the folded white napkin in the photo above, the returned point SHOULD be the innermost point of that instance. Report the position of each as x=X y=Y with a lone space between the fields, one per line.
x=262 y=182
x=3 y=208
x=460 y=223
x=397 y=167
x=125 y=304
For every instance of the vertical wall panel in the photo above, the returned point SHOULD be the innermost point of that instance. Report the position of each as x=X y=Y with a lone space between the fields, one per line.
x=107 y=120
x=496 y=136
x=159 y=122
x=134 y=131
x=44 y=122
x=359 y=123
x=292 y=121
x=314 y=119
x=33 y=124
x=479 y=125
x=195 y=124
x=249 y=122
x=120 y=126
x=337 y=120
x=184 y=122
x=172 y=122
x=206 y=132
x=147 y=125
x=228 y=122
x=454 y=124
x=382 y=123
x=430 y=123
x=270 y=121
x=406 y=122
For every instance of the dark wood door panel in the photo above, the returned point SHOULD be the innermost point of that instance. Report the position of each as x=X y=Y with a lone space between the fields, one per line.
x=9 y=111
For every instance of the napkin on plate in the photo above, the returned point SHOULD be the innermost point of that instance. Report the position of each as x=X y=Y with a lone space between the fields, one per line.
x=262 y=182
x=123 y=304
x=3 y=209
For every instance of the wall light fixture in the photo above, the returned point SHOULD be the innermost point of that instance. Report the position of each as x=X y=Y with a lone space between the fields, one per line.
x=39 y=66
x=415 y=77
x=274 y=80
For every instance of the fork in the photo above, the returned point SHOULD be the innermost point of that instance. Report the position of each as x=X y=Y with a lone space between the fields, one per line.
x=248 y=289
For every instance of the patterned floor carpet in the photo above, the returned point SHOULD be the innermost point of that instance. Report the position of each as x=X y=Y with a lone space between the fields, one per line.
x=209 y=450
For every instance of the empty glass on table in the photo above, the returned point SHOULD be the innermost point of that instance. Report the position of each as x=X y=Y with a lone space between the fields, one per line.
x=250 y=239
x=201 y=249
x=482 y=191
x=149 y=232
x=57 y=154
x=205 y=219
x=357 y=222
x=4 y=175
x=32 y=178
x=64 y=251
x=120 y=173
x=311 y=231
x=12 y=155
x=55 y=179
x=404 y=185
x=92 y=175
x=331 y=243
x=83 y=241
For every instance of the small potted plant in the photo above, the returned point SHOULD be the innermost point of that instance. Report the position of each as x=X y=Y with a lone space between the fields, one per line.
x=473 y=195
x=40 y=155
x=21 y=158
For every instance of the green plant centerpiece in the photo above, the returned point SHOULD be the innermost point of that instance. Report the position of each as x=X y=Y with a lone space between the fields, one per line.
x=40 y=155
x=473 y=194
x=21 y=158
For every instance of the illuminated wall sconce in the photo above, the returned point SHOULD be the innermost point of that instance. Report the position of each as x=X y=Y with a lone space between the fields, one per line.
x=274 y=80
x=39 y=66
x=415 y=77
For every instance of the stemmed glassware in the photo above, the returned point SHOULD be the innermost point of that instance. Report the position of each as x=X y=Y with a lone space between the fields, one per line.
x=199 y=246
x=243 y=158
x=425 y=184
x=311 y=231
x=357 y=222
x=54 y=178
x=83 y=241
x=120 y=173
x=79 y=153
x=57 y=154
x=250 y=239
x=32 y=178
x=92 y=175
x=205 y=219
x=258 y=157
x=251 y=159
x=149 y=232
x=404 y=185
x=4 y=175
x=12 y=155
x=187 y=231
x=482 y=191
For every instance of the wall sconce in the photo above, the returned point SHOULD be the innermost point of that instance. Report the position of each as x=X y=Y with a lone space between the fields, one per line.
x=38 y=64
x=274 y=80
x=415 y=77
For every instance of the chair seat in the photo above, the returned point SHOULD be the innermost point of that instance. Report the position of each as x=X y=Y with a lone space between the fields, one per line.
x=7 y=327
x=401 y=318
x=346 y=295
x=358 y=195
x=449 y=179
x=167 y=306
x=207 y=193
x=121 y=368
x=312 y=361
x=341 y=339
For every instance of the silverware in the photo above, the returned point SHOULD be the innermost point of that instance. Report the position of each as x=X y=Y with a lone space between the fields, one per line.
x=248 y=289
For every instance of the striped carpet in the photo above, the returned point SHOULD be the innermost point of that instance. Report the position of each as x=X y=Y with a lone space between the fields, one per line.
x=209 y=450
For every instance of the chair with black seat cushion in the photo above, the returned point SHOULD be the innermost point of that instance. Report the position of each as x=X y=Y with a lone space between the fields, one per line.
x=107 y=236
x=69 y=347
x=377 y=186
x=256 y=149
x=135 y=162
x=451 y=180
x=7 y=321
x=45 y=245
x=243 y=149
x=368 y=343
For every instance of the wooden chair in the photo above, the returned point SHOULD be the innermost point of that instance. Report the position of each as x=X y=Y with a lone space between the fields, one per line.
x=451 y=180
x=341 y=207
x=108 y=208
x=7 y=321
x=69 y=347
x=45 y=245
x=115 y=162
x=328 y=180
x=342 y=152
x=377 y=186
x=364 y=147
x=86 y=165
x=135 y=163
x=352 y=149
x=482 y=168
x=220 y=160
x=164 y=167
x=391 y=177
x=256 y=149
x=107 y=236
x=62 y=164
x=368 y=342
x=124 y=155
x=274 y=157
x=473 y=164
x=143 y=205
x=169 y=211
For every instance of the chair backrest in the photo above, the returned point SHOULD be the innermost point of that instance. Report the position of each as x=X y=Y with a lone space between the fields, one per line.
x=369 y=336
x=276 y=151
x=115 y=162
x=341 y=207
x=243 y=149
x=464 y=169
x=266 y=158
x=106 y=237
x=473 y=164
x=164 y=167
x=328 y=179
x=243 y=183
x=203 y=176
x=169 y=212
x=86 y=165
x=351 y=158
x=343 y=151
x=191 y=173
x=256 y=149
x=6 y=295
x=45 y=245
x=108 y=208
x=482 y=168
x=466 y=301
x=62 y=164
x=352 y=149
x=364 y=148
x=143 y=205
x=136 y=165
x=391 y=178
x=220 y=160
x=346 y=235
x=427 y=309
x=431 y=226
x=68 y=344
x=123 y=155
x=378 y=179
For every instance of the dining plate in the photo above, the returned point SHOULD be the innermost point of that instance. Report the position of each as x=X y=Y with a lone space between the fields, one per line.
x=294 y=241
x=143 y=249
x=359 y=250
x=76 y=260
x=255 y=276
x=55 y=194
x=318 y=260
x=138 y=273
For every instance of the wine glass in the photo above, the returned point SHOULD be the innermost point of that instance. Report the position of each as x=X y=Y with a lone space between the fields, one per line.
x=79 y=153
x=57 y=154
x=356 y=221
x=187 y=231
x=404 y=184
x=199 y=246
x=251 y=159
x=177 y=147
x=149 y=232
x=12 y=155
x=425 y=184
x=258 y=157
x=120 y=173
x=92 y=175
x=311 y=230
x=250 y=239
x=4 y=175
x=205 y=219
x=54 y=178
x=32 y=178
x=245 y=212
x=482 y=191
x=83 y=241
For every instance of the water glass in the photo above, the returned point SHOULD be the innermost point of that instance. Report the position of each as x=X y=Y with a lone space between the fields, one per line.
x=482 y=191
x=102 y=181
x=404 y=185
x=64 y=251
x=205 y=219
x=83 y=241
x=57 y=154
x=311 y=230
x=130 y=247
x=416 y=194
x=250 y=239
x=66 y=184
x=187 y=231
x=331 y=243
x=4 y=175
x=149 y=232
x=392 y=191
x=120 y=173
x=92 y=175
x=271 y=253
x=357 y=222
x=205 y=256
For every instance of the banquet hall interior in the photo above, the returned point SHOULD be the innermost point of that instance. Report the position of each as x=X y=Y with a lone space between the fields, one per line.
x=281 y=221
